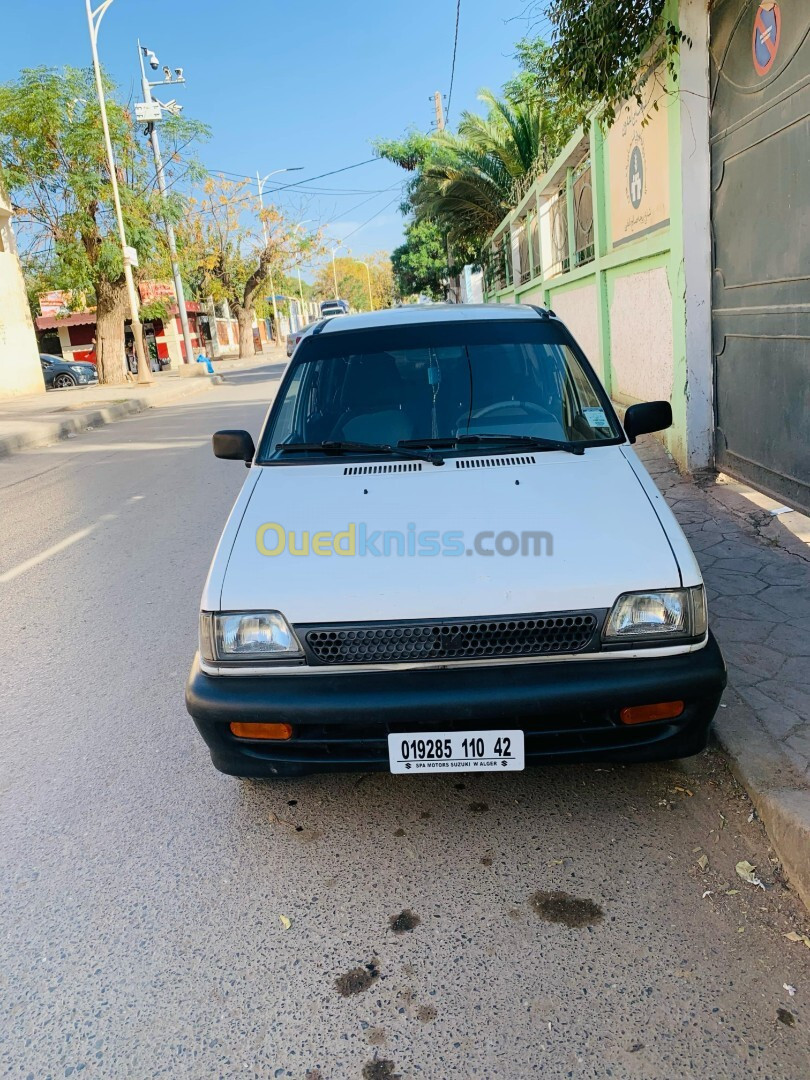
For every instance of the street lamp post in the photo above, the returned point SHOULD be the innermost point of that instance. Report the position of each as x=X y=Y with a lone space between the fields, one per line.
x=368 y=278
x=334 y=271
x=300 y=225
x=260 y=182
x=94 y=18
x=161 y=179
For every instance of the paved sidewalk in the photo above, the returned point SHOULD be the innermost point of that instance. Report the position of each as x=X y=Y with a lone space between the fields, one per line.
x=39 y=419
x=757 y=574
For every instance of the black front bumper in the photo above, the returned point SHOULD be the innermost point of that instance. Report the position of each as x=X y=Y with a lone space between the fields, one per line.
x=568 y=710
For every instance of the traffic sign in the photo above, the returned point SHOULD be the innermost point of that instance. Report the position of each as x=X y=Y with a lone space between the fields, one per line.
x=767 y=32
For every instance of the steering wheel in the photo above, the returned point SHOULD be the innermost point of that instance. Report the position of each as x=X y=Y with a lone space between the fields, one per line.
x=527 y=406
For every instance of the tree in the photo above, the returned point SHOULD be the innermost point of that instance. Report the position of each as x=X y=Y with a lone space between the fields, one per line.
x=420 y=264
x=383 y=286
x=353 y=281
x=466 y=182
x=236 y=257
x=54 y=165
x=599 y=52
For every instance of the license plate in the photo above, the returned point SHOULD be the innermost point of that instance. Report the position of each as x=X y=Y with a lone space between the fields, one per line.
x=455 y=751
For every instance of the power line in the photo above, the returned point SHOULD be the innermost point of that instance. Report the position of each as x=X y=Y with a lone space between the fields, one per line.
x=368 y=222
x=306 y=190
x=249 y=196
x=453 y=67
x=308 y=180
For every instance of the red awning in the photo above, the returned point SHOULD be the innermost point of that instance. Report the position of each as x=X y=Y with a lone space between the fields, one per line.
x=77 y=318
x=83 y=318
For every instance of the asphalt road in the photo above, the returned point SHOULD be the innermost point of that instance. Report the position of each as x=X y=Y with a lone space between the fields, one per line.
x=142 y=890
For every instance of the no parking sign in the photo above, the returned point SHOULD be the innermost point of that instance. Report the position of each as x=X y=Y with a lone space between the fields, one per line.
x=767 y=31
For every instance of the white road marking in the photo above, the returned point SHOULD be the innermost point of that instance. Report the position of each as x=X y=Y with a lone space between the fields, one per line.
x=55 y=549
x=99 y=448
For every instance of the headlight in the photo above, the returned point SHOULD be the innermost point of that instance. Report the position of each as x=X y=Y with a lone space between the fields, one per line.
x=250 y=635
x=78 y=369
x=665 y=613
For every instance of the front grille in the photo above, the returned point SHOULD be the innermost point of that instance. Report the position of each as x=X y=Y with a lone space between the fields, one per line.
x=468 y=639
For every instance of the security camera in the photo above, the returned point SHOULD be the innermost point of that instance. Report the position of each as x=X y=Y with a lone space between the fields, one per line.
x=178 y=74
x=167 y=74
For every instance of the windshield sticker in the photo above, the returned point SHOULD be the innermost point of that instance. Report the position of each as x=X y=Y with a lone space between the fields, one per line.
x=595 y=417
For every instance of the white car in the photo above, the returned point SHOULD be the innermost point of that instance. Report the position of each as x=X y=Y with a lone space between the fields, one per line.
x=446 y=556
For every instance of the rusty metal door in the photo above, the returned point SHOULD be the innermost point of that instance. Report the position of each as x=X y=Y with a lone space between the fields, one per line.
x=760 y=150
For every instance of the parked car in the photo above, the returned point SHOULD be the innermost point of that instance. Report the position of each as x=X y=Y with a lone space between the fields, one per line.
x=294 y=337
x=60 y=373
x=446 y=556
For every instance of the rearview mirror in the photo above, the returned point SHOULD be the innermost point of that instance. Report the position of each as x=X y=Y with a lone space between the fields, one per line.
x=646 y=417
x=234 y=446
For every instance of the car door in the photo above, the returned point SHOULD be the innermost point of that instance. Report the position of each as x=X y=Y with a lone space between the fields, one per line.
x=47 y=370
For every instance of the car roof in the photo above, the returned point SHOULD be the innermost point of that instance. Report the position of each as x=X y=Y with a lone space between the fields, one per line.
x=413 y=314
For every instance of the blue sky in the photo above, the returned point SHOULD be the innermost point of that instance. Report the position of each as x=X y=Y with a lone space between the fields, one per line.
x=293 y=84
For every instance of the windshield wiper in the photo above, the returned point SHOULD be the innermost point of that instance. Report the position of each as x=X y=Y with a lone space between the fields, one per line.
x=332 y=447
x=536 y=442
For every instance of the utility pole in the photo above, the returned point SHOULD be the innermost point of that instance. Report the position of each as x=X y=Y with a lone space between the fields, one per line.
x=129 y=254
x=439 y=107
x=260 y=182
x=161 y=179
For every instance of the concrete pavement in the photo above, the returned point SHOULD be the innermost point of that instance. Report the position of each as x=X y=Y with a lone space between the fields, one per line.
x=757 y=574
x=142 y=891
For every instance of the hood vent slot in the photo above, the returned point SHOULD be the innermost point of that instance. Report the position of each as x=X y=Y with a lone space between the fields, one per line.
x=367 y=470
x=495 y=462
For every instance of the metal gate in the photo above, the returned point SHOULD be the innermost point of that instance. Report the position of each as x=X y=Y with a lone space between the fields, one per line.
x=760 y=147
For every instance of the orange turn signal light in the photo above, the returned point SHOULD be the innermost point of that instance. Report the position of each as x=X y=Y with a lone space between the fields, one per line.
x=261 y=731
x=643 y=714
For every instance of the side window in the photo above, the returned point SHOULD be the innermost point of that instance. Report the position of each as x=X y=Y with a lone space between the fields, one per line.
x=588 y=419
x=285 y=424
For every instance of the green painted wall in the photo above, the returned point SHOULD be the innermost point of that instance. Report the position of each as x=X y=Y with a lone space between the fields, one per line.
x=661 y=248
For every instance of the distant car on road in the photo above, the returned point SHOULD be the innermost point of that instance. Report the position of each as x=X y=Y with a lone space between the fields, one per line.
x=59 y=373
x=296 y=335
x=334 y=307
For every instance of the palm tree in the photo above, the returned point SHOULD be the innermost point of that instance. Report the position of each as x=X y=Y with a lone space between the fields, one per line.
x=513 y=132
x=468 y=182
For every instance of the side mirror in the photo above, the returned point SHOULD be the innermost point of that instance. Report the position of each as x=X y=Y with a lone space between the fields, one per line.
x=645 y=417
x=234 y=446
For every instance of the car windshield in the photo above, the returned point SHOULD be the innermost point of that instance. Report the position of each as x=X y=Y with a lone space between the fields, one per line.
x=386 y=389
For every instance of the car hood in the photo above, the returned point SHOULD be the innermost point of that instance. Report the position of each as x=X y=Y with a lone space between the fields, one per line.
x=601 y=537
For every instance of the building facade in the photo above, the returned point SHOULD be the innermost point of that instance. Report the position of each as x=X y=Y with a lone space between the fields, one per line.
x=73 y=335
x=676 y=243
x=20 y=369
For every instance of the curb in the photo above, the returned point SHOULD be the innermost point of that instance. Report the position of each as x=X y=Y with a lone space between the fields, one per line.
x=38 y=433
x=779 y=794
